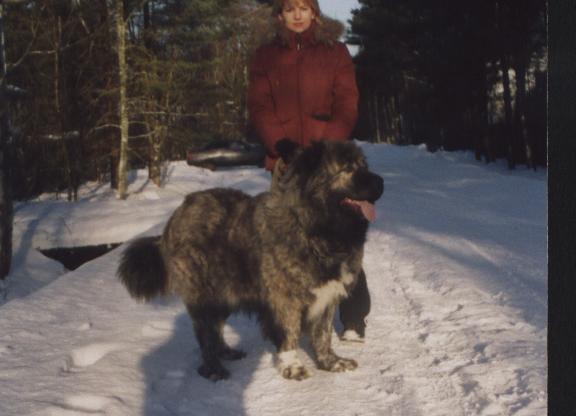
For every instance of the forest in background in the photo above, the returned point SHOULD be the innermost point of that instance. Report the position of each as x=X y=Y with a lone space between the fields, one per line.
x=453 y=75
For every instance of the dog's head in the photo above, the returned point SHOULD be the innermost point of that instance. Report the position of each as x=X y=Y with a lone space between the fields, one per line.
x=333 y=176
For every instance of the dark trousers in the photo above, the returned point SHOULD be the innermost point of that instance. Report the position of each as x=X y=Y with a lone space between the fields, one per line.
x=356 y=307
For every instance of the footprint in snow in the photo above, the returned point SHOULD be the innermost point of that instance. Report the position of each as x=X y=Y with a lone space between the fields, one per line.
x=480 y=353
x=5 y=349
x=85 y=326
x=89 y=355
x=84 y=404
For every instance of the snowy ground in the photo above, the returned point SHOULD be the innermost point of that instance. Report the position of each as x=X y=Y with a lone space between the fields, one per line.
x=456 y=264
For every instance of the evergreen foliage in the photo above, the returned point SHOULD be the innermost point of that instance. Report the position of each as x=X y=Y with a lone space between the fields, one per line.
x=440 y=73
x=186 y=63
x=450 y=74
x=453 y=75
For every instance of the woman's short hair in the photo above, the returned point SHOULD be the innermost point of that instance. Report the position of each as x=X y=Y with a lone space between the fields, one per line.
x=278 y=5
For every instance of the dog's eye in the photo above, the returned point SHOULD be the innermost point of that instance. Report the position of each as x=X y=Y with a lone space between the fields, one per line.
x=353 y=167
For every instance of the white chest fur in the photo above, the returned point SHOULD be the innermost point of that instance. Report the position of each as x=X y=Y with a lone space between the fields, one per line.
x=330 y=292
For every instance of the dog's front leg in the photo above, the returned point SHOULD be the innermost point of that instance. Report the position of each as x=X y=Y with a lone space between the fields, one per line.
x=289 y=363
x=320 y=331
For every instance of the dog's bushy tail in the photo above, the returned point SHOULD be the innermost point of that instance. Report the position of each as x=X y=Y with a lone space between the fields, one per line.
x=142 y=269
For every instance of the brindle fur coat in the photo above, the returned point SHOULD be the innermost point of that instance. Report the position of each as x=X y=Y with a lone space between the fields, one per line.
x=288 y=255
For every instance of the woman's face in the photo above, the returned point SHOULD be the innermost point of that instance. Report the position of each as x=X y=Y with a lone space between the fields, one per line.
x=297 y=16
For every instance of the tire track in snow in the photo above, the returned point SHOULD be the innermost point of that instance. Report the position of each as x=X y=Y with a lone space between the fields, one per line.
x=458 y=339
x=435 y=391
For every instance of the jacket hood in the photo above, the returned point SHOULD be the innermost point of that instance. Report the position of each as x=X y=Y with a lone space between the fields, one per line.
x=324 y=30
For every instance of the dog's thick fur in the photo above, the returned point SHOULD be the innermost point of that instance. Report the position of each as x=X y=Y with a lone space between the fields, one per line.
x=288 y=255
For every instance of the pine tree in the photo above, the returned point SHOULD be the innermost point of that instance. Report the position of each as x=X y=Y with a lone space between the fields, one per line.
x=6 y=207
x=427 y=71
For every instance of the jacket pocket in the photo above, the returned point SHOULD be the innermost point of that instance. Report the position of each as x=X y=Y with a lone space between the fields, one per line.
x=274 y=78
x=315 y=129
x=322 y=117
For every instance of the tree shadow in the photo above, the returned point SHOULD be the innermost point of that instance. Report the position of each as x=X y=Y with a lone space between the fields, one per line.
x=23 y=279
x=173 y=386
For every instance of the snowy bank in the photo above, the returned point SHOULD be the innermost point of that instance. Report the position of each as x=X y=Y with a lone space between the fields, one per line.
x=456 y=265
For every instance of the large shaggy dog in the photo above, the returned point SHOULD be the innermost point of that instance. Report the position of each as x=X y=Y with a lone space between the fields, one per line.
x=288 y=255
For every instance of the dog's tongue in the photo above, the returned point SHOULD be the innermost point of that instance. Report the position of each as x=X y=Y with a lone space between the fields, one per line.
x=366 y=208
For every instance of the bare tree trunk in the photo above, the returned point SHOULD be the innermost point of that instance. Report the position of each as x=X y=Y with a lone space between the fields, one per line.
x=398 y=120
x=155 y=157
x=147 y=24
x=377 y=119
x=510 y=137
x=6 y=210
x=520 y=112
x=58 y=103
x=370 y=118
x=146 y=13
x=390 y=120
x=122 y=105
x=6 y=205
x=482 y=146
x=488 y=136
x=158 y=140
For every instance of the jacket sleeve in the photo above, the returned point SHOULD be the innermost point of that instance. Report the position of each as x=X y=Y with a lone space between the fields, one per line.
x=345 y=98
x=261 y=106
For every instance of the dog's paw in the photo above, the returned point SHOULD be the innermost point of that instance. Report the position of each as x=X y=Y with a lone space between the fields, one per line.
x=291 y=367
x=296 y=372
x=231 y=354
x=338 y=364
x=213 y=372
x=343 y=364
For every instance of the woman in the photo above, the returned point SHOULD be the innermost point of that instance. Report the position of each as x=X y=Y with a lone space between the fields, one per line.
x=303 y=87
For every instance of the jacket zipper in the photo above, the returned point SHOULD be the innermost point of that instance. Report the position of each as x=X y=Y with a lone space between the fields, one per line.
x=298 y=47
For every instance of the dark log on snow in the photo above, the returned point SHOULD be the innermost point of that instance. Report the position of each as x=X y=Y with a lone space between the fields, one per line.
x=230 y=154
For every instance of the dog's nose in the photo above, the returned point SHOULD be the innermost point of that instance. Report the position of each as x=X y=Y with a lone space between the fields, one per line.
x=378 y=186
x=372 y=185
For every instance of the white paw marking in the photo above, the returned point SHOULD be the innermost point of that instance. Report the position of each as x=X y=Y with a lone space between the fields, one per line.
x=291 y=366
x=288 y=358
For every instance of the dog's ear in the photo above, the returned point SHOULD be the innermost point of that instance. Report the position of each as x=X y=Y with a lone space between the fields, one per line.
x=310 y=158
x=286 y=149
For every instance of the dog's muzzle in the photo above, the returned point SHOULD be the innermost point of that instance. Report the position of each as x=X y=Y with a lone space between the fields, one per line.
x=369 y=185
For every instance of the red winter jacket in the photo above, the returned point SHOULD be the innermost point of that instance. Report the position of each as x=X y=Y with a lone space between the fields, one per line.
x=302 y=87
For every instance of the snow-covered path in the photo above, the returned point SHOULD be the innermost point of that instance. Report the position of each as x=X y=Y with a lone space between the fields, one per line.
x=456 y=265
